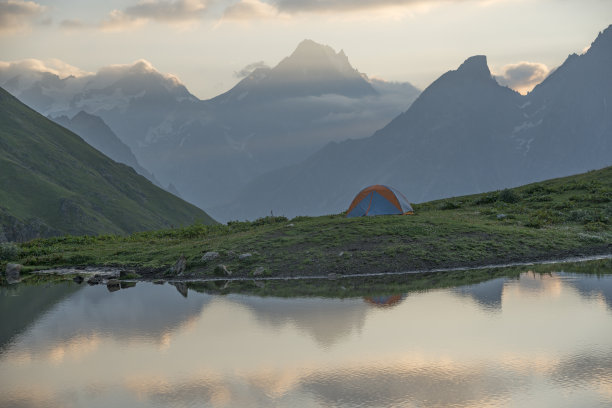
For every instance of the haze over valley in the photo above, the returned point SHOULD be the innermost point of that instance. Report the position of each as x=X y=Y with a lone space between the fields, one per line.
x=300 y=138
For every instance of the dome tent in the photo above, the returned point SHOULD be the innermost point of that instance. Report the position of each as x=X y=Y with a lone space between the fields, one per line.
x=378 y=200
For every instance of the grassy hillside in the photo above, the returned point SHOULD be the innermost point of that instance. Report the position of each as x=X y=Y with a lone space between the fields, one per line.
x=53 y=183
x=556 y=218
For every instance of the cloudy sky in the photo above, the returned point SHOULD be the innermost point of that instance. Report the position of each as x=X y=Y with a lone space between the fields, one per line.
x=208 y=43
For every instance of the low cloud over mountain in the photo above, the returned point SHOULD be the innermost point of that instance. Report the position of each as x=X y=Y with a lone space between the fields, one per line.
x=523 y=76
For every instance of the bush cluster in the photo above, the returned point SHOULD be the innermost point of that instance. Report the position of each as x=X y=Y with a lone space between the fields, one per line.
x=487 y=199
x=9 y=251
x=509 y=196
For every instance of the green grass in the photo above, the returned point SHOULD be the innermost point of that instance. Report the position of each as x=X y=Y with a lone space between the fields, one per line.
x=555 y=218
x=53 y=183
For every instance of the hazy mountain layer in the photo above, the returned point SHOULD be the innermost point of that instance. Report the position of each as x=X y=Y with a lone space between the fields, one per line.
x=464 y=134
x=210 y=149
x=53 y=183
x=96 y=133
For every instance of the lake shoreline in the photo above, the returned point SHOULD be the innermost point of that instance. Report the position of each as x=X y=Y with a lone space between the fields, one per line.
x=135 y=274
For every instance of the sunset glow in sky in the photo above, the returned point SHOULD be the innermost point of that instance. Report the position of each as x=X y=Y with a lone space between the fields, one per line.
x=206 y=43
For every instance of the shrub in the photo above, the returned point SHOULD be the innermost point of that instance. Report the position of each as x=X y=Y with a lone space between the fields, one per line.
x=449 y=205
x=487 y=199
x=595 y=226
x=534 y=222
x=562 y=206
x=599 y=198
x=79 y=259
x=509 y=196
x=543 y=217
x=302 y=218
x=539 y=189
x=9 y=251
x=586 y=216
x=540 y=198
x=269 y=220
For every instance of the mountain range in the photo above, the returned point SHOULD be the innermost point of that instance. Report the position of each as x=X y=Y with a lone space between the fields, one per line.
x=464 y=134
x=210 y=149
x=97 y=134
x=303 y=137
x=53 y=183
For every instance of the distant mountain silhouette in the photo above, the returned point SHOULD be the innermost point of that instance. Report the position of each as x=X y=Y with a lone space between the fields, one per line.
x=96 y=133
x=464 y=134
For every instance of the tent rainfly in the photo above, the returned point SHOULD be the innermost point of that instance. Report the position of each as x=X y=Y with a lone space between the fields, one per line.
x=379 y=200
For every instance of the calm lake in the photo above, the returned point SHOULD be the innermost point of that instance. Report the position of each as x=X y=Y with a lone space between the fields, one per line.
x=529 y=340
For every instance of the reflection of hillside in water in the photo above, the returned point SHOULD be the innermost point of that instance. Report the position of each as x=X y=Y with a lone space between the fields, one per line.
x=144 y=311
x=591 y=287
x=489 y=294
x=326 y=320
x=432 y=349
x=24 y=304
x=486 y=294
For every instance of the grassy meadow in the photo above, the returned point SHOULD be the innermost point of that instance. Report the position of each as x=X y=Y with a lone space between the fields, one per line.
x=552 y=219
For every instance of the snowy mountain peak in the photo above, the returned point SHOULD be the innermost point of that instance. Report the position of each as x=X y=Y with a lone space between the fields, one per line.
x=475 y=66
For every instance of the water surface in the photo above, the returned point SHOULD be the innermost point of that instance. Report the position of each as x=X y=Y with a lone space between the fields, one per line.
x=532 y=341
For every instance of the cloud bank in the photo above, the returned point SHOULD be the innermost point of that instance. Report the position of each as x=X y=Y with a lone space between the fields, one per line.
x=54 y=66
x=250 y=9
x=297 y=6
x=18 y=14
x=163 y=11
x=522 y=76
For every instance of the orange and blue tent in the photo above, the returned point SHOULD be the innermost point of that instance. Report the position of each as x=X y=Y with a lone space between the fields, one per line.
x=379 y=200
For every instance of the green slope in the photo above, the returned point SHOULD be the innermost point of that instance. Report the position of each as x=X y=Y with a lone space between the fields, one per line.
x=53 y=183
x=553 y=219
